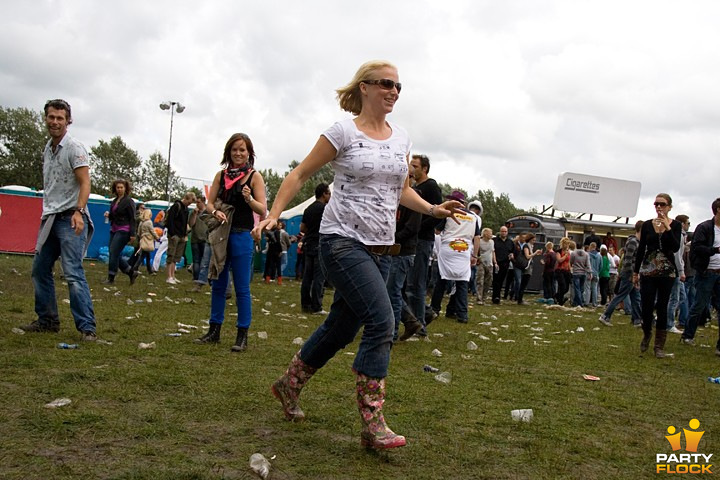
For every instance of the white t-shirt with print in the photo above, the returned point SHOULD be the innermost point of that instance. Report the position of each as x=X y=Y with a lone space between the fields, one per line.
x=369 y=177
x=715 y=259
x=456 y=244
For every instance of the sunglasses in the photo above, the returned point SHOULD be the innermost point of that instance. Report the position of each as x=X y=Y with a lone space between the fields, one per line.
x=660 y=204
x=384 y=83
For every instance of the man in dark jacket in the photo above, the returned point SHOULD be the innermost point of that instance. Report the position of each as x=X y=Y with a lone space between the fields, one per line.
x=313 y=282
x=627 y=290
x=705 y=259
x=177 y=230
x=503 y=248
x=431 y=193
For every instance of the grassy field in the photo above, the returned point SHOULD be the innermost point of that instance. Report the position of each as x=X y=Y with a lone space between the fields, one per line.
x=186 y=411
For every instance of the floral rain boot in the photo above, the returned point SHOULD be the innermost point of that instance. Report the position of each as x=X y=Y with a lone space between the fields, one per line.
x=370 y=399
x=287 y=388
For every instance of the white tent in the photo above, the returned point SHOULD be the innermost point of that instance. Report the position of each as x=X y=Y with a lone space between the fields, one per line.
x=299 y=209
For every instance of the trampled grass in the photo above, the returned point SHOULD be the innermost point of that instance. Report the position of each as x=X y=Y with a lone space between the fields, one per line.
x=186 y=411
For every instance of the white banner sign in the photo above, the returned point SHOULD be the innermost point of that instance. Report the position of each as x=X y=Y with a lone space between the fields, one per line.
x=577 y=192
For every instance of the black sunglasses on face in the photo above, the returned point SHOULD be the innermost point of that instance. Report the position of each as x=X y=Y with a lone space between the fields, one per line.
x=660 y=204
x=385 y=83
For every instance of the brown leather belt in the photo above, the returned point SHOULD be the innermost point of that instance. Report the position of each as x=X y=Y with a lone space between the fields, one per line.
x=384 y=249
x=713 y=270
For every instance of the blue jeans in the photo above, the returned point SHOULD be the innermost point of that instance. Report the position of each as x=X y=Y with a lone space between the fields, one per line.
x=473 y=280
x=400 y=267
x=361 y=300
x=118 y=240
x=204 y=265
x=198 y=251
x=283 y=262
x=417 y=280
x=626 y=292
x=457 y=304
x=312 y=289
x=678 y=300
x=239 y=260
x=706 y=285
x=64 y=243
x=579 y=289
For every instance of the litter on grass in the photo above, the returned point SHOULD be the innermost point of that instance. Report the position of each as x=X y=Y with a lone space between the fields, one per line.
x=58 y=402
x=262 y=335
x=436 y=353
x=146 y=346
x=592 y=378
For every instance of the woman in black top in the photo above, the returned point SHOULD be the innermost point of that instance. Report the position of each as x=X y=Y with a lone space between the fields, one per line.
x=122 y=230
x=655 y=270
x=242 y=188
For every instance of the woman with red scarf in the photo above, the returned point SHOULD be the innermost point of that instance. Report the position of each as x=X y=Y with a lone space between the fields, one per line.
x=236 y=194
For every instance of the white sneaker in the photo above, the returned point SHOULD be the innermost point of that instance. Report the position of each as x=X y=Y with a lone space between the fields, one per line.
x=171 y=281
x=320 y=312
x=604 y=320
x=176 y=280
x=674 y=329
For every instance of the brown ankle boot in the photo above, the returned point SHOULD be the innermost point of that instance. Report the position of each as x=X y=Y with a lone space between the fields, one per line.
x=660 y=336
x=645 y=343
x=287 y=388
x=370 y=399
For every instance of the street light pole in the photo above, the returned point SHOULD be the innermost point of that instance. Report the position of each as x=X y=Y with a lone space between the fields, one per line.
x=173 y=107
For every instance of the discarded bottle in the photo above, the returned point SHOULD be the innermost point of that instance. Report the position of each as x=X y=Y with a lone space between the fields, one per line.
x=714 y=379
x=431 y=369
x=67 y=346
x=260 y=464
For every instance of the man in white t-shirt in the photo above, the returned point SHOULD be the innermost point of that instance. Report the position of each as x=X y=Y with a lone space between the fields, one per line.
x=459 y=243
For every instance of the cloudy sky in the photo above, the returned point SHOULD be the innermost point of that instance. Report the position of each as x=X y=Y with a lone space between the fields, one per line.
x=503 y=95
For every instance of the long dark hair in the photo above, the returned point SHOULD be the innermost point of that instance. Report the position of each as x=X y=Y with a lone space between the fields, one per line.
x=113 y=189
x=227 y=161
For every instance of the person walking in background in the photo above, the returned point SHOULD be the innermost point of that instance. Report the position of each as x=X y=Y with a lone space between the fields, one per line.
x=285 y=243
x=678 y=296
x=486 y=262
x=655 y=271
x=580 y=267
x=549 y=265
x=65 y=228
x=705 y=259
x=626 y=291
x=176 y=223
x=457 y=250
x=356 y=235
x=604 y=275
x=163 y=242
x=593 y=280
x=313 y=281
x=147 y=235
x=614 y=264
x=417 y=284
x=122 y=230
x=503 y=249
x=272 y=257
x=236 y=194
x=563 y=277
x=198 y=240
x=299 y=256
x=528 y=251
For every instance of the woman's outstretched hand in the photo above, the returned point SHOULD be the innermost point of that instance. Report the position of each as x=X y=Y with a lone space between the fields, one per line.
x=267 y=224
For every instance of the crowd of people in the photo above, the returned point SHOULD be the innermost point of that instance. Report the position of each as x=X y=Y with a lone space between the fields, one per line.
x=384 y=238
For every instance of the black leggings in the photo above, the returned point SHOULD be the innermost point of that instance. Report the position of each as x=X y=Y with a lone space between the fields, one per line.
x=655 y=291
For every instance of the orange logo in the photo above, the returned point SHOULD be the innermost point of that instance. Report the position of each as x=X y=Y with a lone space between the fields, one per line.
x=459 y=245
x=684 y=462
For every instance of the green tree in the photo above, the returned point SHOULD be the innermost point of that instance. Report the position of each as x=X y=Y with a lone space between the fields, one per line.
x=112 y=160
x=154 y=180
x=23 y=136
x=496 y=209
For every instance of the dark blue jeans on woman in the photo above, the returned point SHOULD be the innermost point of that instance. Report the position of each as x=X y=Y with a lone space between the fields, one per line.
x=361 y=300
x=118 y=240
x=239 y=260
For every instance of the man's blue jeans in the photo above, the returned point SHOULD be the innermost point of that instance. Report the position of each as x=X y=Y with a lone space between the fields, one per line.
x=457 y=303
x=70 y=247
x=239 y=260
x=202 y=278
x=400 y=267
x=705 y=285
x=417 y=280
x=678 y=299
x=626 y=291
x=198 y=251
x=579 y=289
x=361 y=300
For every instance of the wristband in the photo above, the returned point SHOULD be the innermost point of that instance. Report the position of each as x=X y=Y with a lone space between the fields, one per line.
x=431 y=210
